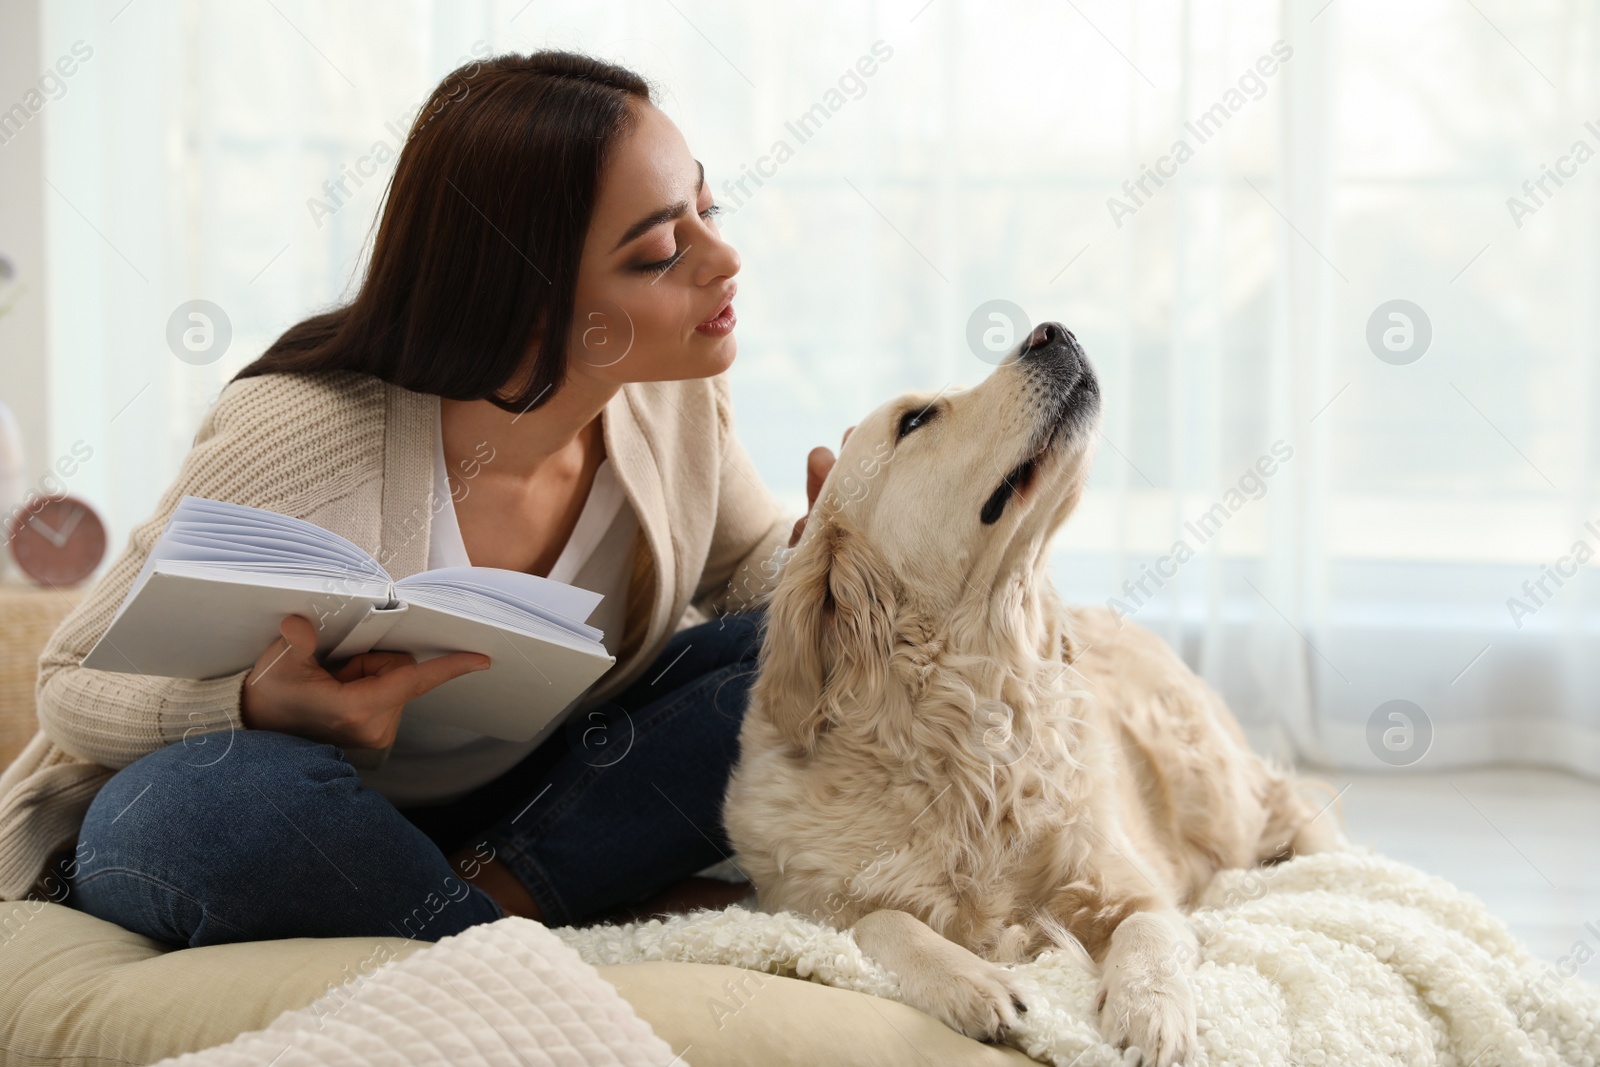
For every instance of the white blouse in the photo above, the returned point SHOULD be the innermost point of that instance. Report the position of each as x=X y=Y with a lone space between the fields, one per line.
x=433 y=764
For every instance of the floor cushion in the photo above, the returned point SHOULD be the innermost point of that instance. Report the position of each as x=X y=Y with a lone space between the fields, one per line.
x=76 y=990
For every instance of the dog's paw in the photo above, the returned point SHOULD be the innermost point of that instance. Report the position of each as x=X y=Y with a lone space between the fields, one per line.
x=967 y=993
x=1154 y=1012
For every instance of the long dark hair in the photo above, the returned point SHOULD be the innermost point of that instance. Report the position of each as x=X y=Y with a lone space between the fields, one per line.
x=481 y=233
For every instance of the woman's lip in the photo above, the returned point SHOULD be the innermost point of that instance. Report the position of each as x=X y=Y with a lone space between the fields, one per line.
x=721 y=324
x=722 y=305
x=722 y=321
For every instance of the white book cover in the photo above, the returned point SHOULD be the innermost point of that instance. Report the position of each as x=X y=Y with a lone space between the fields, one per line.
x=222 y=576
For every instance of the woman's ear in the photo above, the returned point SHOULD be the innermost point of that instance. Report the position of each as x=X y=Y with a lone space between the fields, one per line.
x=796 y=651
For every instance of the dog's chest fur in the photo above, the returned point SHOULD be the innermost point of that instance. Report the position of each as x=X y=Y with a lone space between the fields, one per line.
x=968 y=842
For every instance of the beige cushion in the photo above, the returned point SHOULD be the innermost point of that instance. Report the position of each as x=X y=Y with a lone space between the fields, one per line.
x=76 y=990
x=735 y=1017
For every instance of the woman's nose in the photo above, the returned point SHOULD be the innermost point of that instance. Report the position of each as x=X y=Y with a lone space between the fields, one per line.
x=721 y=261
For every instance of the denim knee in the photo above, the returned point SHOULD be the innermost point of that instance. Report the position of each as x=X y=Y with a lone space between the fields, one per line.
x=192 y=791
x=189 y=819
x=256 y=835
x=733 y=638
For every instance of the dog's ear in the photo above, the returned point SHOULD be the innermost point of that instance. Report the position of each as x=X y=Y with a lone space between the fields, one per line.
x=864 y=630
x=832 y=626
x=795 y=655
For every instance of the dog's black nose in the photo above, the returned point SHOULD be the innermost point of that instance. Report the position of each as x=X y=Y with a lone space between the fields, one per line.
x=1047 y=334
x=1043 y=334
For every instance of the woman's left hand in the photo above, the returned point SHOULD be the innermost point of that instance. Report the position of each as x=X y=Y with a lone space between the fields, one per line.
x=818 y=463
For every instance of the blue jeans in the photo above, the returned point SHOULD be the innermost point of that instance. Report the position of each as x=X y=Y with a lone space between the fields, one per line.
x=254 y=835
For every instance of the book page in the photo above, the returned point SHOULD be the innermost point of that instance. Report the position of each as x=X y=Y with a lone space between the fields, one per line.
x=198 y=524
x=528 y=594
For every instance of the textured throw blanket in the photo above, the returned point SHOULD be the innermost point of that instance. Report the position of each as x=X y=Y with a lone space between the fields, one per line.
x=501 y=993
x=1343 y=959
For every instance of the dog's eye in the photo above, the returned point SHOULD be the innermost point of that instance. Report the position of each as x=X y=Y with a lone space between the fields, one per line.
x=911 y=420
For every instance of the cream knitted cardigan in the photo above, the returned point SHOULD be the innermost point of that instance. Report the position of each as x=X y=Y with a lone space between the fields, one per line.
x=355 y=454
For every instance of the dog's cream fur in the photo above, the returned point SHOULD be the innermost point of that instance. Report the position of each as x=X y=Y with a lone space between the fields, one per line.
x=941 y=755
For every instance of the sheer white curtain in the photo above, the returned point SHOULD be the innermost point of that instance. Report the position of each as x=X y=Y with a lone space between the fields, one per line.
x=1222 y=198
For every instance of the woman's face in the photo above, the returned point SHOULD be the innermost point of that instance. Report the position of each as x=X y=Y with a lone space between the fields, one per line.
x=655 y=285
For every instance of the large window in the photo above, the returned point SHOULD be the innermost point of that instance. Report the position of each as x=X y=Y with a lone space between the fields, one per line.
x=1336 y=263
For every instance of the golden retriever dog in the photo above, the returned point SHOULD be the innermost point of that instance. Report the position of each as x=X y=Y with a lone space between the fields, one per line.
x=944 y=758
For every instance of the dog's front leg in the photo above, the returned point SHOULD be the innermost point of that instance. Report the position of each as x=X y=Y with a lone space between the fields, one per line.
x=956 y=986
x=1145 y=996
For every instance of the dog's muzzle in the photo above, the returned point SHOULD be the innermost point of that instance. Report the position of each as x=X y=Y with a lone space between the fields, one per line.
x=1062 y=379
x=1061 y=372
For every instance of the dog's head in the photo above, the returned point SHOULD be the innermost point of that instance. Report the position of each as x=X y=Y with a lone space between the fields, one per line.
x=932 y=525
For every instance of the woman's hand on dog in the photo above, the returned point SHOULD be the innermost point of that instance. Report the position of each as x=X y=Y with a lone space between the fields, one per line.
x=818 y=463
x=356 y=707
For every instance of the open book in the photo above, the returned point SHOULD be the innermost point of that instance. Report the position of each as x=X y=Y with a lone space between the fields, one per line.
x=222 y=576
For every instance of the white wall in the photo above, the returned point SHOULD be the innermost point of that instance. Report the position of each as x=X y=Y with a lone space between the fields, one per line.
x=23 y=385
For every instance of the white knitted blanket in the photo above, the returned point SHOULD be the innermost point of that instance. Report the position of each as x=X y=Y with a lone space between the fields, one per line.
x=502 y=993
x=1343 y=959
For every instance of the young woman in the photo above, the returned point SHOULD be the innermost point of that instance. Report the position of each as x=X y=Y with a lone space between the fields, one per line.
x=530 y=377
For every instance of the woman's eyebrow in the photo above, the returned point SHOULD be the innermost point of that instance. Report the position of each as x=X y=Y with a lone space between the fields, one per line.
x=666 y=214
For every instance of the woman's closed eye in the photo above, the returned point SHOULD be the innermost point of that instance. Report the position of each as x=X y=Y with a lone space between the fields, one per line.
x=661 y=266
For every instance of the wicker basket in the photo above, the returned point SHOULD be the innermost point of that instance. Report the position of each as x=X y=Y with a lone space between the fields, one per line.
x=28 y=616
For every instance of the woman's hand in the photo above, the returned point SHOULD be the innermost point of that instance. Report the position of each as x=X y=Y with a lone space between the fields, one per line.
x=818 y=463
x=359 y=707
